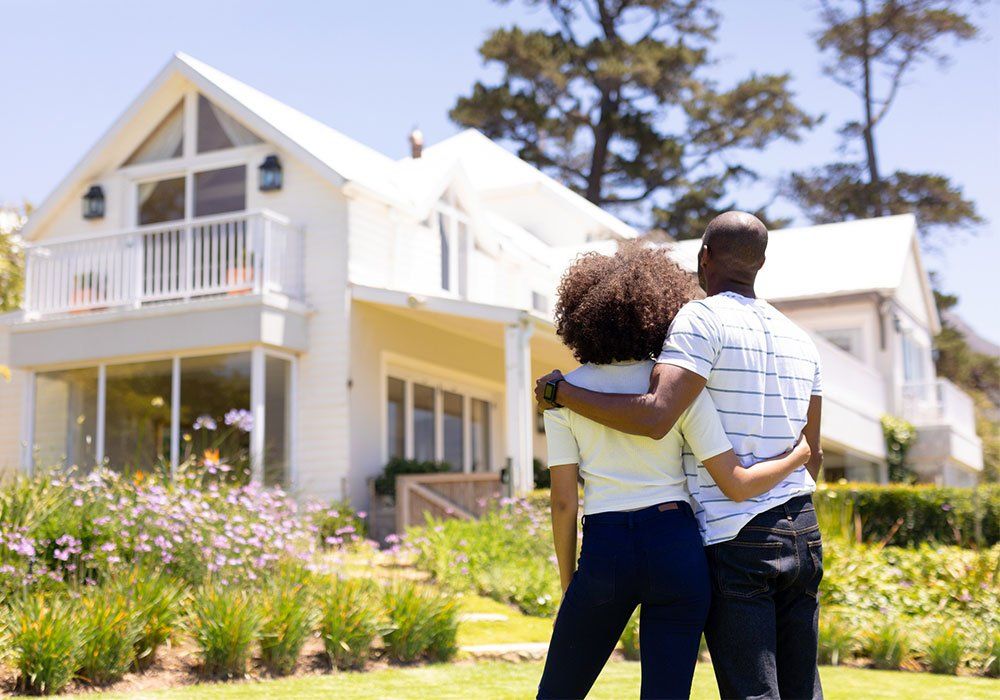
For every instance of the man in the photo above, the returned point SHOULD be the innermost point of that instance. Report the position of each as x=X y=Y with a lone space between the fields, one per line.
x=762 y=372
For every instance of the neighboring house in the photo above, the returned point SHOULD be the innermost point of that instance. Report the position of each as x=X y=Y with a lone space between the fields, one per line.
x=219 y=250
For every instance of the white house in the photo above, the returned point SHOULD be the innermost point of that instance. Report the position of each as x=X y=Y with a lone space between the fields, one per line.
x=219 y=250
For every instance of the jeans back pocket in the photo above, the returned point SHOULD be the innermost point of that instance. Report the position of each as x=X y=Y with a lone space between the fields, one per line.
x=745 y=569
x=593 y=583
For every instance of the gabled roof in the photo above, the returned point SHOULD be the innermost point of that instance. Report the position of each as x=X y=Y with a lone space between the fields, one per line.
x=867 y=255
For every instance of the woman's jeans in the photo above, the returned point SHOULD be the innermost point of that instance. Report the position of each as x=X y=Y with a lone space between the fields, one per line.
x=651 y=557
x=763 y=625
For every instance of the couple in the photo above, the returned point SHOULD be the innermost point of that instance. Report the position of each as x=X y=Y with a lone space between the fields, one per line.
x=697 y=473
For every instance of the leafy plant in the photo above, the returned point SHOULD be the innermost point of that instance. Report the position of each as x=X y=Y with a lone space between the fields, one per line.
x=899 y=436
x=630 y=638
x=423 y=623
x=289 y=617
x=338 y=524
x=46 y=642
x=225 y=622
x=992 y=647
x=888 y=646
x=837 y=639
x=157 y=600
x=385 y=483
x=945 y=651
x=111 y=631
x=349 y=621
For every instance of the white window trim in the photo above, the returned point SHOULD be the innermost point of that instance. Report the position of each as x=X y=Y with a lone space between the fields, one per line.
x=28 y=419
x=441 y=379
x=857 y=339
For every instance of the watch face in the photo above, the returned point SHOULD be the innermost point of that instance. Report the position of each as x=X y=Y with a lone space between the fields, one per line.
x=550 y=392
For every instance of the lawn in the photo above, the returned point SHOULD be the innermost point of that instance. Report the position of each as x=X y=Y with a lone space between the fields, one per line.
x=505 y=680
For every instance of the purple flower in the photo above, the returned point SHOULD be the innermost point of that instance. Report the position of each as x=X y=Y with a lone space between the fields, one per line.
x=204 y=423
x=241 y=418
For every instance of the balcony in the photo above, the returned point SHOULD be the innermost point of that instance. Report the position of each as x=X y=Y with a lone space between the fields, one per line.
x=945 y=419
x=257 y=252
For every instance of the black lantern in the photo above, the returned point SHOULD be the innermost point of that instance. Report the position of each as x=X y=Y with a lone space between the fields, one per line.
x=270 y=174
x=93 y=203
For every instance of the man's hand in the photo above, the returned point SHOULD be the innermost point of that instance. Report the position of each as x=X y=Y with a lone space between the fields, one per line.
x=540 y=389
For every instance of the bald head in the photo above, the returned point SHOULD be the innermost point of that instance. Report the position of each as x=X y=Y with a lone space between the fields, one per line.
x=736 y=242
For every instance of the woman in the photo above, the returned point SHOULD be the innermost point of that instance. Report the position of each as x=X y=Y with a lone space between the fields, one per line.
x=641 y=543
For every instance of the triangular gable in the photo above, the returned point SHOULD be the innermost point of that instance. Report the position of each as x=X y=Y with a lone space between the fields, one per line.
x=329 y=152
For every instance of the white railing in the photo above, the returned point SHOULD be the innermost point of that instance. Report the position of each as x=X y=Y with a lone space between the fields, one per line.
x=939 y=402
x=212 y=256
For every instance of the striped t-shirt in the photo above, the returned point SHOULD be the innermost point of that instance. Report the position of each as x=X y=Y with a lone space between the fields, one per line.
x=761 y=370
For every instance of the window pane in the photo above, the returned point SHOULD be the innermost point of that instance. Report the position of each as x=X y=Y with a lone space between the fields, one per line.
x=65 y=418
x=423 y=423
x=211 y=387
x=277 y=380
x=161 y=201
x=395 y=420
x=445 y=252
x=220 y=191
x=137 y=416
x=480 y=435
x=166 y=140
x=453 y=440
x=217 y=130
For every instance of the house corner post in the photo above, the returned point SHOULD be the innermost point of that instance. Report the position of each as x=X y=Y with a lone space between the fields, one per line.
x=519 y=405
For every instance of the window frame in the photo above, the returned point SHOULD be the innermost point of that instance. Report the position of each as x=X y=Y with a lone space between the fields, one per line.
x=446 y=221
x=440 y=379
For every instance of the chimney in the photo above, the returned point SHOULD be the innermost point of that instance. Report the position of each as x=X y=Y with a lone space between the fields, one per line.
x=416 y=143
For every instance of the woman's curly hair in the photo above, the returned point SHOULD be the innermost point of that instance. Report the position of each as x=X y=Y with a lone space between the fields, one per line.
x=619 y=307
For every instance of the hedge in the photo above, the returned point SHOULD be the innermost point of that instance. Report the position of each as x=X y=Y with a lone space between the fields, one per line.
x=907 y=516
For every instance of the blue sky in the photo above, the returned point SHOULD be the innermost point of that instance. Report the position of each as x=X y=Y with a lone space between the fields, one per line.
x=374 y=69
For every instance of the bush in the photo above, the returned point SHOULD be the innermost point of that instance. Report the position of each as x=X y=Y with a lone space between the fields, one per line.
x=837 y=638
x=888 y=646
x=289 y=617
x=110 y=631
x=224 y=622
x=46 y=642
x=349 y=621
x=909 y=516
x=945 y=651
x=992 y=653
x=543 y=477
x=337 y=524
x=157 y=602
x=422 y=624
x=385 y=483
x=630 y=638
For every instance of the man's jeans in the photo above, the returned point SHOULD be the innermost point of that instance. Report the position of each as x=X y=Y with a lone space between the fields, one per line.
x=763 y=623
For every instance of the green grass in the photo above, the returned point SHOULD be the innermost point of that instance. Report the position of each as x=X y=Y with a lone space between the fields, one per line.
x=504 y=680
x=518 y=627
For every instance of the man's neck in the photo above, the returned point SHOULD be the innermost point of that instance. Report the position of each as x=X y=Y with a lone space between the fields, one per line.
x=744 y=290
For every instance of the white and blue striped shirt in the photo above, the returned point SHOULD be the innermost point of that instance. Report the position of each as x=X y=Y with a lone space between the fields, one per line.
x=761 y=370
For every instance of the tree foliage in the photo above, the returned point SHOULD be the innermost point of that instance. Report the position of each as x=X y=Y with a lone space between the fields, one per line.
x=612 y=100
x=11 y=257
x=871 y=48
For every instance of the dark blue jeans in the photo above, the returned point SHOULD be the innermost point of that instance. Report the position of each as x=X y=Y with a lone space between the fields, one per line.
x=651 y=557
x=763 y=624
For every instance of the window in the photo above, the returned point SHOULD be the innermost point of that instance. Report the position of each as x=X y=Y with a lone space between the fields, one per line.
x=430 y=422
x=166 y=140
x=913 y=359
x=65 y=420
x=424 y=423
x=847 y=339
x=277 y=428
x=444 y=236
x=220 y=191
x=539 y=302
x=137 y=415
x=218 y=130
x=161 y=201
x=211 y=386
x=453 y=240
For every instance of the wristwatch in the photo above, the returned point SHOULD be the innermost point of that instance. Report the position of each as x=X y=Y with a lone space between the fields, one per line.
x=549 y=393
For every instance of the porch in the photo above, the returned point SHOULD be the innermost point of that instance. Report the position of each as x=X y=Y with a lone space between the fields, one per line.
x=947 y=448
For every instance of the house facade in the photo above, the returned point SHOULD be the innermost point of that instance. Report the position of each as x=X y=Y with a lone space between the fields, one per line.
x=218 y=252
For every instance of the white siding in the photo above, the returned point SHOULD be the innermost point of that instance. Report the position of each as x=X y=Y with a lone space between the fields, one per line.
x=11 y=406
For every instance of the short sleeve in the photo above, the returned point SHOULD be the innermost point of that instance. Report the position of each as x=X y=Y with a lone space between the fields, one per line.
x=560 y=441
x=694 y=340
x=702 y=429
x=817 y=388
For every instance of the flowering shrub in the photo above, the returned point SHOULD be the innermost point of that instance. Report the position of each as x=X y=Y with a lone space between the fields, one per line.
x=423 y=623
x=45 y=642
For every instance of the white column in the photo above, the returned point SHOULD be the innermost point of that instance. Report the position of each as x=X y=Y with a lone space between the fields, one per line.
x=28 y=424
x=257 y=365
x=519 y=404
x=102 y=400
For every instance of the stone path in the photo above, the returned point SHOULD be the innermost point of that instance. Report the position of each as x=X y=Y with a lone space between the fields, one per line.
x=522 y=651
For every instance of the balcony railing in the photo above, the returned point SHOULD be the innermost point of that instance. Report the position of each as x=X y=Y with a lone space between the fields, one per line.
x=212 y=256
x=939 y=402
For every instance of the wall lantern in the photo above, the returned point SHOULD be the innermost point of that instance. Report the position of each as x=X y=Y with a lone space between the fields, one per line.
x=270 y=174
x=93 y=203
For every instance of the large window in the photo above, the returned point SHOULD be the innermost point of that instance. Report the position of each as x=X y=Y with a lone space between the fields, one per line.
x=433 y=421
x=218 y=130
x=65 y=421
x=137 y=416
x=163 y=412
x=164 y=142
x=161 y=201
x=913 y=359
x=453 y=243
x=220 y=191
